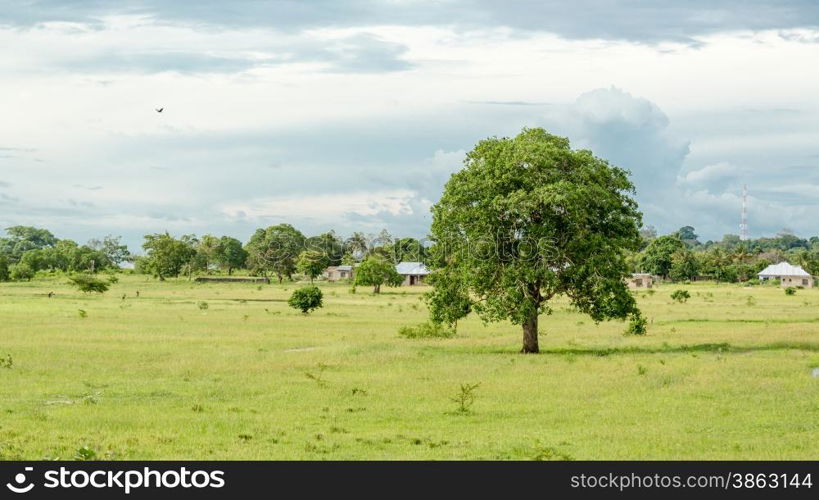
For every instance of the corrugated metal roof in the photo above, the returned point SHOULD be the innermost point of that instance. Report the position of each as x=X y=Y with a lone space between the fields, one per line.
x=782 y=269
x=412 y=268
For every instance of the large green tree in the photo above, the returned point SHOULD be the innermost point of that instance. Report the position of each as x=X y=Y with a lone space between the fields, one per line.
x=112 y=247
x=329 y=244
x=275 y=249
x=230 y=255
x=312 y=263
x=24 y=238
x=375 y=271
x=657 y=257
x=529 y=218
x=684 y=266
x=166 y=255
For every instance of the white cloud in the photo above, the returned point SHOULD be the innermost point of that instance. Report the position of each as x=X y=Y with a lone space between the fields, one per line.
x=711 y=173
x=323 y=207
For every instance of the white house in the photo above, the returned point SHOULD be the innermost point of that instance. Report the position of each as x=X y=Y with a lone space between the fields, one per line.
x=787 y=274
x=413 y=272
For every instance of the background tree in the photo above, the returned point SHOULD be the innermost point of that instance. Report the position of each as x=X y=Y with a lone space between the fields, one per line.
x=329 y=244
x=275 y=249
x=687 y=235
x=375 y=271
x=408 y=250
x=113 y=248
x=312 y=263
x=230 y=255
x=23 y=238
x=684 y=266
x=207 y=249
x=656 y=258
x=647 y=235
x=166 y=255
x=4 y=268
x=357 y=245
x=529 y=218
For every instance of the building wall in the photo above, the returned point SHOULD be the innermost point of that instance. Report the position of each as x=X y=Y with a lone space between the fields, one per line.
x=336 y=275
x=638 y=282
x=804 y=281
x=413 y=279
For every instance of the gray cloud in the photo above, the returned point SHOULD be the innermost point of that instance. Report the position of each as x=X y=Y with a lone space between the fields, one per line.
x=584 y=19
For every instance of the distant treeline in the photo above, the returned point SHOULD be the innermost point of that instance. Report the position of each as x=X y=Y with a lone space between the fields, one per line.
x=279 y=250
x=283 y=251
x=681 y=256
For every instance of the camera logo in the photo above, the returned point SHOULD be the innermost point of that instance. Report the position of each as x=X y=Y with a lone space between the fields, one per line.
x=20 y=478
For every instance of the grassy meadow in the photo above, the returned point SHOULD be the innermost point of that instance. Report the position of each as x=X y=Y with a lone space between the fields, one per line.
x=726 y=375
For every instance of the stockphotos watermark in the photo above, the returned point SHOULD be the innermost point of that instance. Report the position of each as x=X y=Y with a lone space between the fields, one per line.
x=123 y=480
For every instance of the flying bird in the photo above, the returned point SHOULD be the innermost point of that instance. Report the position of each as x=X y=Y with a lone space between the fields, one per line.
x=159 y=110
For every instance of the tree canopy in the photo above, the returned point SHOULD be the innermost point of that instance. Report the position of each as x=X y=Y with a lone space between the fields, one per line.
x=375 y=271
x=312 y=263
x=529 y=218
x=275 y=250
x=166 y=255
x=658 y=255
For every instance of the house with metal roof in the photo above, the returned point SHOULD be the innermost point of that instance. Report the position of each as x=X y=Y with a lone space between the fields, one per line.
x=413 y=272
x=787 y=274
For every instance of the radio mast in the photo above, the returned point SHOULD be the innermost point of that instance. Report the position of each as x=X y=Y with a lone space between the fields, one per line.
x=743 y=225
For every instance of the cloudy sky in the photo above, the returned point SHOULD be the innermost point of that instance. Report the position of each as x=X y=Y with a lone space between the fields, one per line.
x=351 y=115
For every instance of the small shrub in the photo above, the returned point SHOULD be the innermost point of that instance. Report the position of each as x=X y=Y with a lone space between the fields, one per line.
x=680 y=295
x=426 y=330
x=85 y=453
x=641 y=370
x=637 y=325
x=82 y=313
x=88 y=283
x=6 y=362
x=202 y=305
x=306 y=299
x=465 y=397
x=790 y=291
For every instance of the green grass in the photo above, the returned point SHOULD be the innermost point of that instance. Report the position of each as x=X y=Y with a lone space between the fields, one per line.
x=159 y=377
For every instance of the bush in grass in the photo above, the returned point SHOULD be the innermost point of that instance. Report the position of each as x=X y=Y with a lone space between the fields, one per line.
x=306 y=299
x=426 y=330
x=680 y=295
x=636 y=325
x=88 y=283
x=790 y=291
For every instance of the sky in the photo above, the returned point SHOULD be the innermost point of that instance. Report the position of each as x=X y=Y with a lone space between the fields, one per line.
x=351 y=115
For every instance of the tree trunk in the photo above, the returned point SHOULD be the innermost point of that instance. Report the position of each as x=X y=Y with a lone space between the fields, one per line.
x=530 y=335
x=377 y=289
